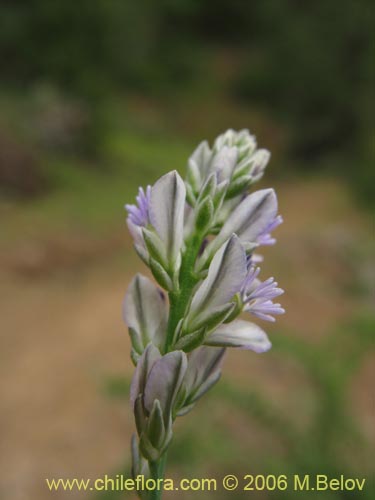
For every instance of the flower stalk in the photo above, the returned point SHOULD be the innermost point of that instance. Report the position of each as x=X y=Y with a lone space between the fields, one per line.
x=198 y=237
x=179 y=300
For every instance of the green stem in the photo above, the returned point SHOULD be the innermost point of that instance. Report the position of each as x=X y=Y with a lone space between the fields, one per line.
x=187 y=280
x=157 y=472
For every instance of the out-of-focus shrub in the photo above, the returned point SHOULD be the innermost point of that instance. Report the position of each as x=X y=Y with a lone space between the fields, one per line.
x=310 y=67
x=19 y=167
x=305 y=65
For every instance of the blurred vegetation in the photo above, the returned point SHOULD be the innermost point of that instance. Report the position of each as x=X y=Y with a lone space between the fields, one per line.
x=74 y=76
x=206 y=445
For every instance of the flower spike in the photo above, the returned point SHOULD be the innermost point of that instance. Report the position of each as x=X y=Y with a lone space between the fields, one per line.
x=197 y=236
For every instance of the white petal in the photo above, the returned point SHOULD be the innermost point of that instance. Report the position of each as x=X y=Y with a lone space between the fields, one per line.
x=149 y=357
x=145 y=310
x=225 y=277
x=249 y=218
x=164 y=381
x=260 y=160
x=203 y=363
x=240 y=334
x=136 y=232
x=167 y=212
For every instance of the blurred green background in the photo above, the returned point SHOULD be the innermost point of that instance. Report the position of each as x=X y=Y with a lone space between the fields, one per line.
x=98 y=97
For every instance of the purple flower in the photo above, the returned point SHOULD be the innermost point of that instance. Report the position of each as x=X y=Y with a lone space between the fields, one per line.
x=139 y=214
x=265 y=237
x=138 y=218
x=257 y=296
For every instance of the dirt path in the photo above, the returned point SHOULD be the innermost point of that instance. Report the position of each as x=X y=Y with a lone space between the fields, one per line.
x=61 y=340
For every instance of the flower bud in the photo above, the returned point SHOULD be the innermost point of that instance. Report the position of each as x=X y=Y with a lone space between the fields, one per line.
x=154 y=388
x=145 y=313
x=238 y=186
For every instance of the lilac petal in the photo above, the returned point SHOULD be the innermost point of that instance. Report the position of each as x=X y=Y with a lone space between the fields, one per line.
x=254 y=288
x=257 y=296
x=145 y=311
x=266 y=290
x=265 y=237
x=149 y=357
x=164 y=381
x=264 y=309
x=139 y=214
x=250 y=278
x=241 y=334
x=266 y=240
x=261 y=315
x=167 y=212
x=224 y=279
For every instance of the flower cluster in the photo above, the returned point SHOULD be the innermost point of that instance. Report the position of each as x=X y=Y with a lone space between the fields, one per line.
x=198 y=237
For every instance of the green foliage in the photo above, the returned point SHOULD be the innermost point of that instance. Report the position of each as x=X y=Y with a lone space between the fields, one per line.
x=307 y=67
x=86 y=49
x=90 y=199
